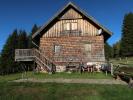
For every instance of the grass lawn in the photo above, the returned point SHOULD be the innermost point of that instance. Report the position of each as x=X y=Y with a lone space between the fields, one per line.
x=11 y=77
x=128 y=61
x=55 y=91
x=61 y=91
x=70 y=75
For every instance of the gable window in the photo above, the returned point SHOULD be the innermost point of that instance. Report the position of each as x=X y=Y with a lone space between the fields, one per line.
x=74 y=26
x=70 y=26
x=67 y=26
x=57 y=49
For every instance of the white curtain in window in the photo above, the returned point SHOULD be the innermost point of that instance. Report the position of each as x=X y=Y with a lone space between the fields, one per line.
x=66 y=26
x=74 y=26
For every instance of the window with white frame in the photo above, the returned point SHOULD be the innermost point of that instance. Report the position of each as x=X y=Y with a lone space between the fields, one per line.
x=57 y=49
x=74 y=26
x=67 y=26
x=70 y=26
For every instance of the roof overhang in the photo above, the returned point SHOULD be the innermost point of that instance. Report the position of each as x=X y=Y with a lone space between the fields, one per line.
x=106 y=33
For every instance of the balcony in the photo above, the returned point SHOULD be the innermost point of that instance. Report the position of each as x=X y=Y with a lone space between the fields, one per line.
x=24 y=55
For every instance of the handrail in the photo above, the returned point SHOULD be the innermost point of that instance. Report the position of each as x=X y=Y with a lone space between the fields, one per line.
x=42 y=54
x=42 y=63
x=38 y=57
x=23 y=52
x=47 y=62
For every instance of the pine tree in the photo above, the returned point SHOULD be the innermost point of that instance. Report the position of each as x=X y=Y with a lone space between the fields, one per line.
x=8 y=64
x=17 y=40
x=116 y=49
x=126 y=47
x=34 y=29
x=22 y=40
x=108 y=51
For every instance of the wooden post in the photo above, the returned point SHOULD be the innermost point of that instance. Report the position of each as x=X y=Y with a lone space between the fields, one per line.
x=111 y=69
x=131 y=82
x=34 y=69
x=106 y=72
x=126 y=60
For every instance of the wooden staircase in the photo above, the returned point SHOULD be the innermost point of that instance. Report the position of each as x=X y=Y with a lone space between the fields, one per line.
x=43 y=63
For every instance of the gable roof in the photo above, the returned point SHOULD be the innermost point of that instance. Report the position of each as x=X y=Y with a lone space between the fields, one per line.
x=40 y=31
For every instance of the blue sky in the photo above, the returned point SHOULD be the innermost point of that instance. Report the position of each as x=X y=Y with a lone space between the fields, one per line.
x=23 y=14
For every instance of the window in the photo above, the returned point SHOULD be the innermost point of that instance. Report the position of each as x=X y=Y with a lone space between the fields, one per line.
x=70 y=26
x=74 y=26
x=57 y=49
x=87 y=47
x=87 y=50
x=66 y=26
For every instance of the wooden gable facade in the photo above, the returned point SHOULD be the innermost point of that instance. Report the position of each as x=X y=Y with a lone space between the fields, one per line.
x=72 y=36
x=71 y=24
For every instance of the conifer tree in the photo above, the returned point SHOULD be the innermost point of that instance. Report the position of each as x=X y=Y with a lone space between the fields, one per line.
x=108 y=51
x=34 y=29
x=116 y=49
x=22 y=40
x=126 y=47
x=8 y=64
x=16 y=40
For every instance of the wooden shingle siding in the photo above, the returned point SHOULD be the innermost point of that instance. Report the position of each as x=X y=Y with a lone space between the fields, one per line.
x=72 y=42
x=73 y=48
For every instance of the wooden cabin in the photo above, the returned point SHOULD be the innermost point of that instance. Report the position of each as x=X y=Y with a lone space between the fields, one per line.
x=71 y=36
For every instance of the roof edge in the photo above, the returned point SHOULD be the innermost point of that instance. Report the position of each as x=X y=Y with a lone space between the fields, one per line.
x=77 y=8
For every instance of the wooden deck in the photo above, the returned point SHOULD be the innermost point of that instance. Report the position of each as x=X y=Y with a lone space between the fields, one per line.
x=24 y=55
x=35 y=55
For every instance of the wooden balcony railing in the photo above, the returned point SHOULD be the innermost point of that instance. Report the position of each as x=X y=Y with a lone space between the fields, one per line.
x=24 y=55
x=34 y=55
x=71 y=33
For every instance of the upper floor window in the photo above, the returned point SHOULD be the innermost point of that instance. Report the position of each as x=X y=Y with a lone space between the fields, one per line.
x=74 y=26
x=67 y=26
x=70 y=26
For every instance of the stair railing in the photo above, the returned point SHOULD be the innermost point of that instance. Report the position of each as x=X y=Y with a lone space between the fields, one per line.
x=43 y=61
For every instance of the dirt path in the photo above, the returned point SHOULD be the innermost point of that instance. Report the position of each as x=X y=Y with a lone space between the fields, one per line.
x=87 y=81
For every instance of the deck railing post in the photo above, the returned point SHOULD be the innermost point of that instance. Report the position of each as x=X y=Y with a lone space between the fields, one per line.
x=111 y=69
